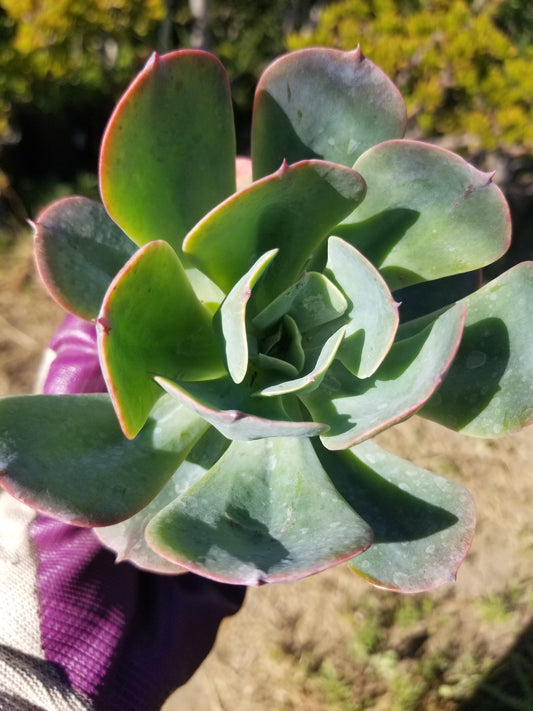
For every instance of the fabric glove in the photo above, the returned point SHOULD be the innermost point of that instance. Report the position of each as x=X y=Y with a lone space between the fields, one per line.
x=78 y=630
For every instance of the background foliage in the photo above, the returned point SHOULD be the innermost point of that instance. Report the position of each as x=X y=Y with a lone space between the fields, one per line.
x=65 y=62
x=464 y=67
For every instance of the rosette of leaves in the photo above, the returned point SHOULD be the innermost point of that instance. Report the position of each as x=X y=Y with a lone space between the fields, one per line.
x=260 y=321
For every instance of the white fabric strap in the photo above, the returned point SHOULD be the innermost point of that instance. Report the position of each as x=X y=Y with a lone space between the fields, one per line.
x=27 y=681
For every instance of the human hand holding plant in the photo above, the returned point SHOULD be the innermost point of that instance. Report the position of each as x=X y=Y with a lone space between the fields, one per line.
x=95 y=634
x=253 y=341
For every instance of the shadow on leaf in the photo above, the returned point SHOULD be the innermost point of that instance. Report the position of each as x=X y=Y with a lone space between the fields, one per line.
x=283 y=142
x=393 y=514
x=379 y=234
x=241 y=540
x=474 y=377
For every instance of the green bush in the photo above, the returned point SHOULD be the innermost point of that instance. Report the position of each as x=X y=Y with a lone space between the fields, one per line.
x=64 y=62
x=51 y=48
x=464 y=68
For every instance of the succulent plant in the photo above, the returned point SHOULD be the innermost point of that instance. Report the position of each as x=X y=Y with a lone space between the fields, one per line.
x=259 y=321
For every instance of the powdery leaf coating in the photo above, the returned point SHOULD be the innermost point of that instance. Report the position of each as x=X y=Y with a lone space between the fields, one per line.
x=260 y=499
x=322 y=103
x=427 y=213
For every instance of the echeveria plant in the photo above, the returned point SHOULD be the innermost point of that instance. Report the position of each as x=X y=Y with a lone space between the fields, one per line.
x=260 y=321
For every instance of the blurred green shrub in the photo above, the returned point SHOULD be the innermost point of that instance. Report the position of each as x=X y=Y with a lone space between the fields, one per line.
x=246 y=36
x=64 y=62
x=58 y=45
x=62 y=45
x=464 y=68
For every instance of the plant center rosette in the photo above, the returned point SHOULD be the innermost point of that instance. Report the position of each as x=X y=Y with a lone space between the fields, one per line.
x=259 y=321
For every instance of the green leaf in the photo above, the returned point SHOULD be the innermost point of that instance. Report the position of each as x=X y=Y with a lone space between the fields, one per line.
x=236 y=413
x=127 y=538
x=266 y=512
x=311 y=380
x=322 y=103
x=293 y=210
x=357 y=409
x=311 y=301
x=231 y=318
x=66 y=455
x=427 y=214
x=373 y=316
x=488 y=390
x=79 y=249
x=152 y=323
x=423 y=523
x=168 y=153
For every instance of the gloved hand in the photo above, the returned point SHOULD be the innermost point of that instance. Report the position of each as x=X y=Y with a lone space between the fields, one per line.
x=78 y=630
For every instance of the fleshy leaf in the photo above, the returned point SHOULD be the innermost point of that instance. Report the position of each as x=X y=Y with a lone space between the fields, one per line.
x=427 y=214
x=265 y=362
x=78 y=250
x=66 y=455
x=373 y=317
x=423 y=523
x=253 y=518
x=311 y=301
x=236 y=413
x=293 y=210
x=357 y=409
x=127 y=538
x=314 y=377
x=488 y=390
x=168 y=153
x=322 y=103
x=152 y=323
x=231 y=318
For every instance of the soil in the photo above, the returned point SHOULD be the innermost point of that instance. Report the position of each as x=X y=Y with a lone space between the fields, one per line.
x=331 y=641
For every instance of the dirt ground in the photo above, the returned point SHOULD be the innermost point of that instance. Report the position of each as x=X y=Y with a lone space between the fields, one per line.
x=331 y=642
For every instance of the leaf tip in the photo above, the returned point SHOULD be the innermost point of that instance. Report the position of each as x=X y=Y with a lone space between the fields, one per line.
x=358 y=55
x=283 y=169
x=153 y=60
x=103 y=325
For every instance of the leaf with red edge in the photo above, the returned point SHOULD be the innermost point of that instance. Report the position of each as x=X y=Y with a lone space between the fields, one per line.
x=423 y=524
x=322 y=103
x=357 y=409
x=168 y=152
x=253 y=518
x=236 y=413
x=293 y=210
x=152 y=323
x=79 y=250
x=65 y=455
x=427 y=214
x=488 y=391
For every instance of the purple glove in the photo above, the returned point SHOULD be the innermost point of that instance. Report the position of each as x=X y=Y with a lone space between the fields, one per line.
x=118 y=637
